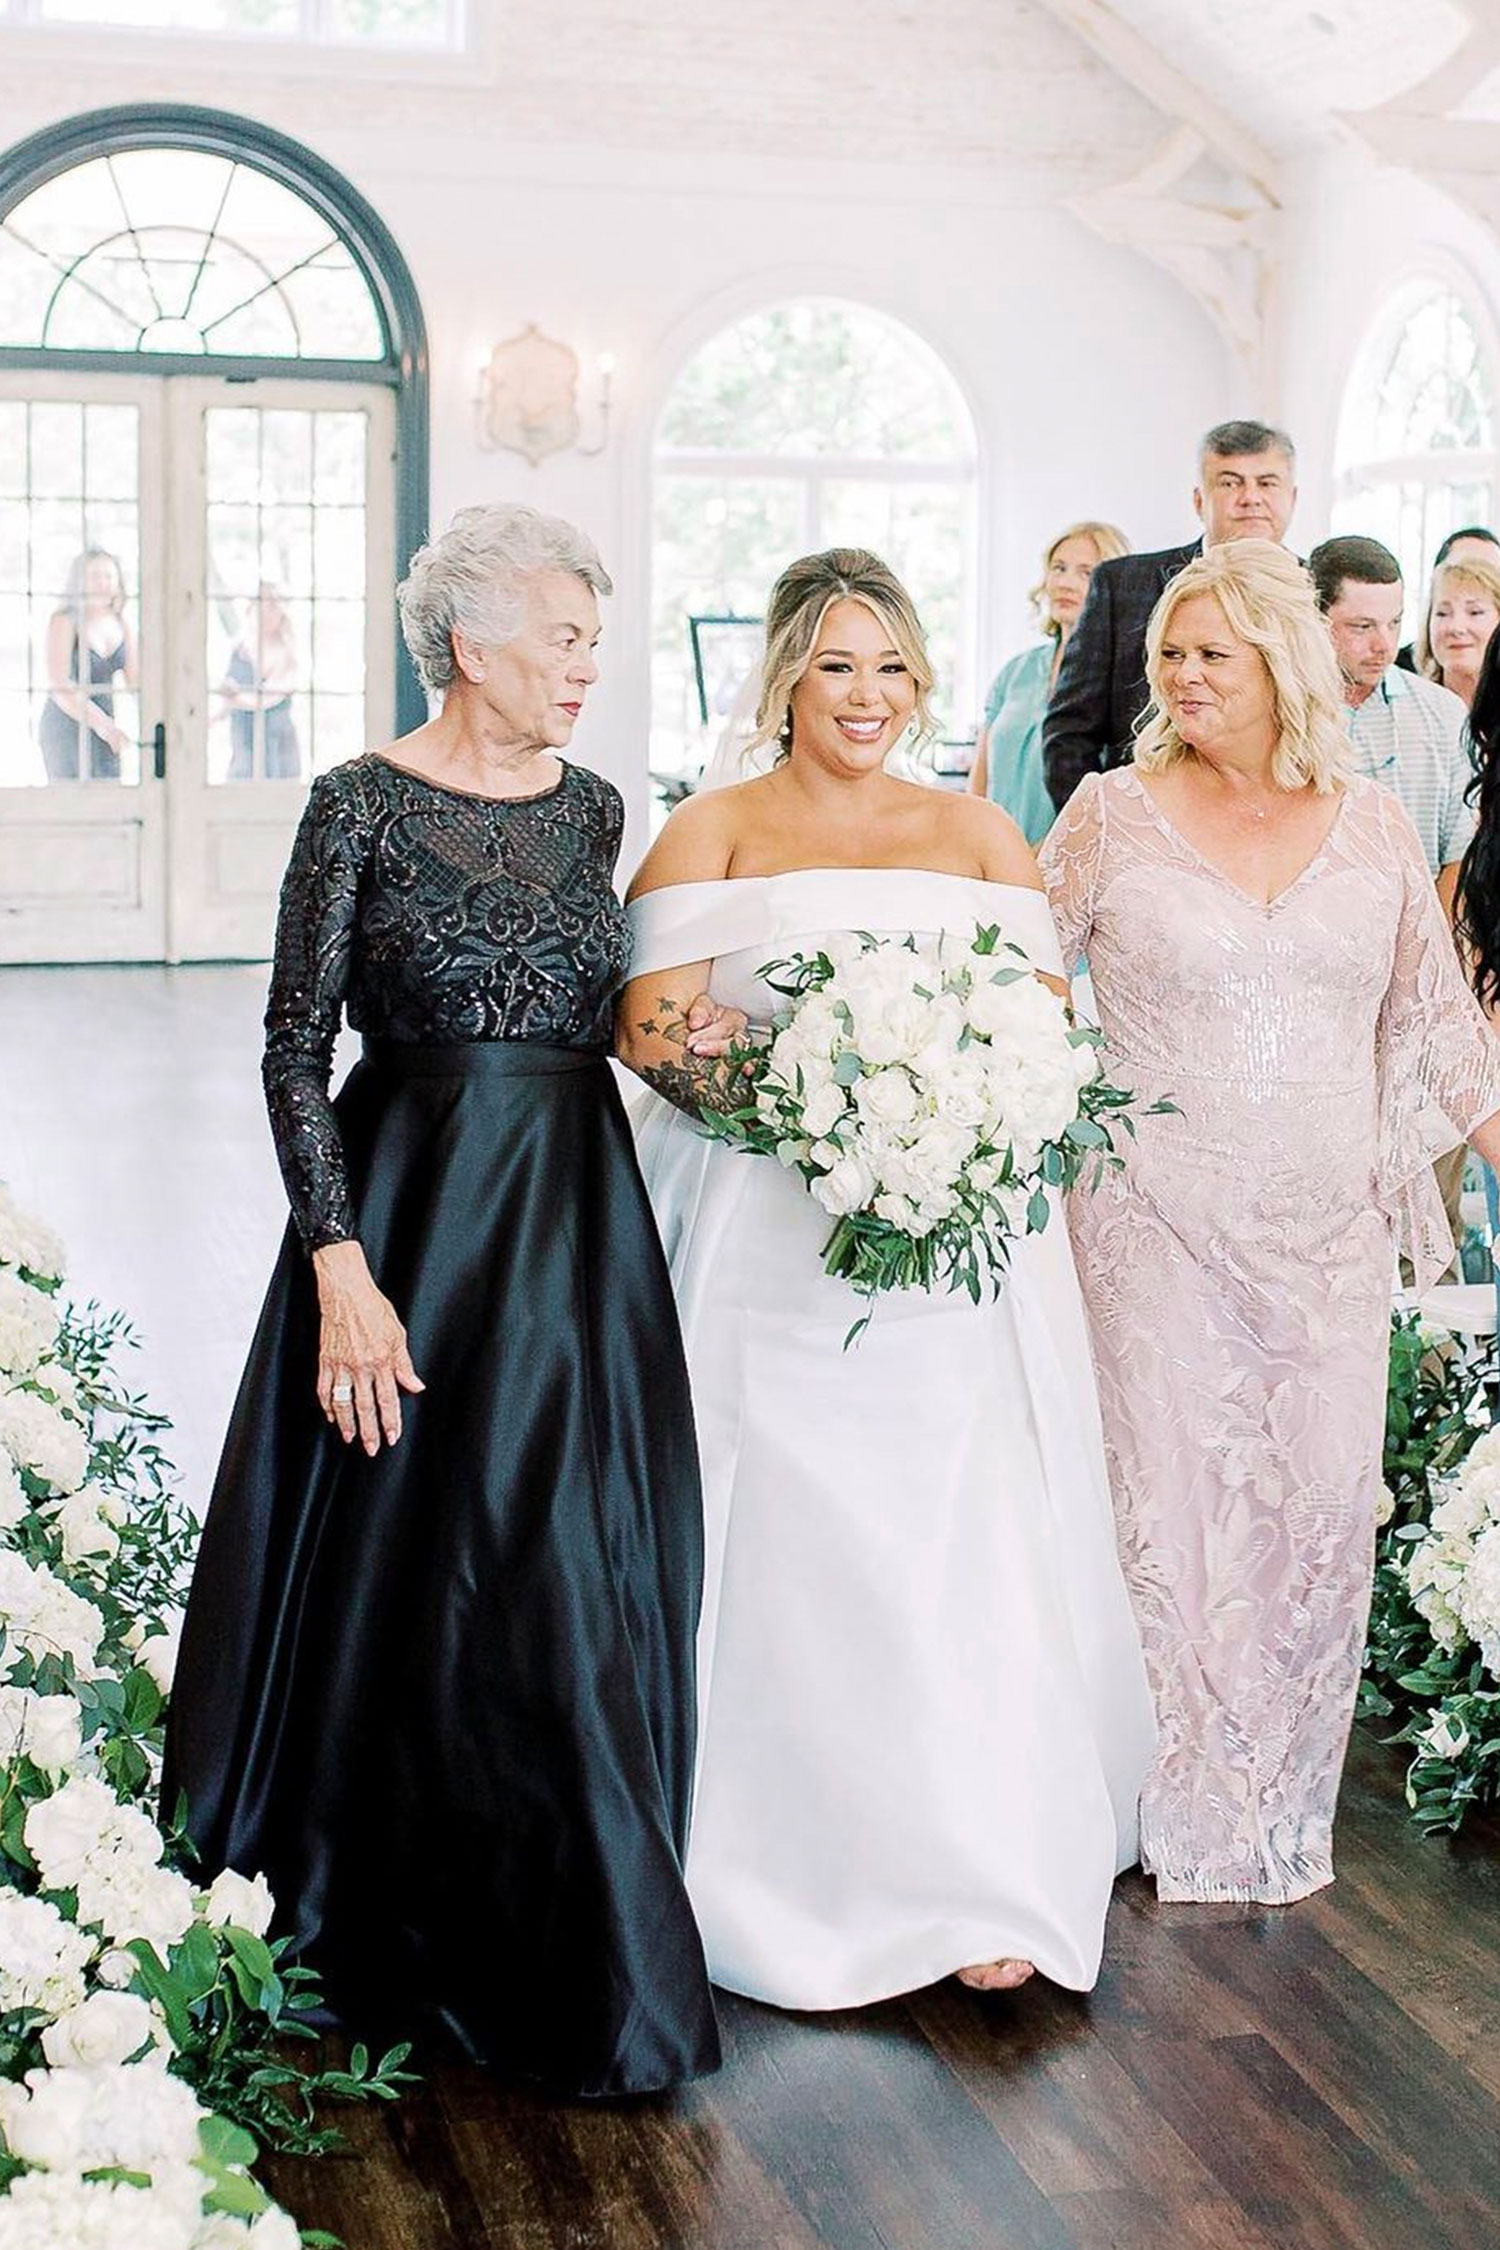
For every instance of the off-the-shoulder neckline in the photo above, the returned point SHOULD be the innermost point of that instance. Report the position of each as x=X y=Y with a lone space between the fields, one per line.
x=789 y=874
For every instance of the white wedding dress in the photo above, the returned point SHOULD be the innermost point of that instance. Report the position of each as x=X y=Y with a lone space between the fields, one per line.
x=923 y=1715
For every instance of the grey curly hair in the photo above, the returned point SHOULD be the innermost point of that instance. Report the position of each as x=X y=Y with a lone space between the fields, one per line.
x=472 y=579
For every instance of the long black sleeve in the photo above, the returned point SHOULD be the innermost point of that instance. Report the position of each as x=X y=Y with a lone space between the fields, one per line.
x=309 y=979
x=1075 y=732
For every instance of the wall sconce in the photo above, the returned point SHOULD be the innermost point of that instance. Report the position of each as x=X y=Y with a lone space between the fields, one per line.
x=528 y=398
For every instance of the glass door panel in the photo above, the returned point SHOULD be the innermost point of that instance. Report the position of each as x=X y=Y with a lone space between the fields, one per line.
x=81 y=668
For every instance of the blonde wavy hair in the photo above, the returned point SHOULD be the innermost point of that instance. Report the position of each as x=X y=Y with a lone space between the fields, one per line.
x=1109 y=542
x=1268 y=603
x=800 y=600
x=1472 y=570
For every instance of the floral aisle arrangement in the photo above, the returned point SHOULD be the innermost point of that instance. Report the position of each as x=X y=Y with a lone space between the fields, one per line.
x=1432 y=1668
x=929 y=1091
x=143 y=2013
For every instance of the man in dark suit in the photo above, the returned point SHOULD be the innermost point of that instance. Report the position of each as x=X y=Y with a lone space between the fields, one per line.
x=1246 y=489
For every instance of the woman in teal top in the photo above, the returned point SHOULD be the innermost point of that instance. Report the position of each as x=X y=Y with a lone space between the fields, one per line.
x=1008 y=757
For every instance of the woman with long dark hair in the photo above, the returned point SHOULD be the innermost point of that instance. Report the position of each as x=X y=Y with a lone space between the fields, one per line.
x=1477 y=908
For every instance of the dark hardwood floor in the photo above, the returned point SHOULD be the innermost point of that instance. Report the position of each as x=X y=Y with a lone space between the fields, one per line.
x=1326 y=2077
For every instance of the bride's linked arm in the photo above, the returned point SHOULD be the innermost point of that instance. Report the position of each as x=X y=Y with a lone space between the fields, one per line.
x=668 y=1028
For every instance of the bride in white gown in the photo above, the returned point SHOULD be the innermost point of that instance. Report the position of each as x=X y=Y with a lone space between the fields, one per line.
x=923 y=1717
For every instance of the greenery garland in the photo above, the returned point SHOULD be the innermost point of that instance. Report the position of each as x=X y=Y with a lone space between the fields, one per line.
x=1432 y=1664
x=145 y=2016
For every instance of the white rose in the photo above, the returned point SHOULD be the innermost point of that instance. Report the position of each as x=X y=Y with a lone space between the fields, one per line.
x=244 y=1901
x=822 y=1110
x=892 y=1028
x=65 y=1829
x=39 y=1438
x=896 y=1210
x=115 y=1969
x=940 y=1151
x=1445 y=1737
x=109 y=2027
x=848 y=1186
x=48 y=1729
x=887 y=1097
x=963 y=1094
x=1385 y=1506
x=87 y=1520
x=24 y=1241
x=42 y=1956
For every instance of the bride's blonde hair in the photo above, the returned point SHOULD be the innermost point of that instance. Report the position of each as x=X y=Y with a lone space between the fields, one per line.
x=800 y=600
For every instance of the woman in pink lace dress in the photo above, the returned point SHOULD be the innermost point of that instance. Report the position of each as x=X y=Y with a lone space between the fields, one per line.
x=1267 y=950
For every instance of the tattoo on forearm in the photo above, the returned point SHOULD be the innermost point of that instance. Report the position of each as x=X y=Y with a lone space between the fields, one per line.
x=694 y=1082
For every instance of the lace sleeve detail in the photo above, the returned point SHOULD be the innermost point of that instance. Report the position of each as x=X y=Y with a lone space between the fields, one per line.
x=1437 y=1061
x=1070 y=860
x=309 y=977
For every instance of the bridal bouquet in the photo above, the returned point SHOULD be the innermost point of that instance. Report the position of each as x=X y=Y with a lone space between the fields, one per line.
x=929 y=1091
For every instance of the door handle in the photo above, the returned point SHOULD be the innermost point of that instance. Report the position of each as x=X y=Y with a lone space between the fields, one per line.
x=159 y=750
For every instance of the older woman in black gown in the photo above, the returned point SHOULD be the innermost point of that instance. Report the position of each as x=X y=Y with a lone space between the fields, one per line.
x=436 y=1675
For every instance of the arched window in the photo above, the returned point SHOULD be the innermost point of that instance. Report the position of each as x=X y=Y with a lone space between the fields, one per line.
x=1417 y=438
x=213 y=463
x=806 y=425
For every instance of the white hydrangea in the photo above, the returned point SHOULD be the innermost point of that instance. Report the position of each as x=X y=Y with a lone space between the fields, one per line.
x=88 y=1520
x=39 y=1437
x=43 y=1957
x=43 y=1616
x=29 y=1321
x=48 y=1729
x=63 y=2211
x=136 y=2115
x=14 y=1505
x=84 y=1821
x=24 y=1241
x=127 y=1898
x=1478 y=1598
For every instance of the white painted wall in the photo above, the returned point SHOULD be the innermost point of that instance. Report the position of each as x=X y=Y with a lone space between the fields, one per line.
x=1089 y=373
x=1356 y=230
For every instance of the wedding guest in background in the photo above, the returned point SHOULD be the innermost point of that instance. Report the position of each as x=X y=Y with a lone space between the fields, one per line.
x=90 y=654
x=1246 y=489
x=1462 y=614
x=437 y=1668
x=1472 y=539
x=1477 y=919
x=1406 y=732
x=1268 y=951
x=1008 y=759
x=257 y=693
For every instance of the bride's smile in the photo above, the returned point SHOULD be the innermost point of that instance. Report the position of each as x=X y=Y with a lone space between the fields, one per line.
x=857 y=694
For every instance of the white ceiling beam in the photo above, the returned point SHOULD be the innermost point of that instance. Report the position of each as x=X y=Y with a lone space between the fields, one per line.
x=1170 y=90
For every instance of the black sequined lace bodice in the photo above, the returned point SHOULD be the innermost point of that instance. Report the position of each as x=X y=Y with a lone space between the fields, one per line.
x=434 y=918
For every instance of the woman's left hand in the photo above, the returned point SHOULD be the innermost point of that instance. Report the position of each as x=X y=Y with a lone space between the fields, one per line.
x=712 y=1029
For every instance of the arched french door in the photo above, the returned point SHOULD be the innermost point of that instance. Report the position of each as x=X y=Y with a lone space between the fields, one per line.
x=213 y=467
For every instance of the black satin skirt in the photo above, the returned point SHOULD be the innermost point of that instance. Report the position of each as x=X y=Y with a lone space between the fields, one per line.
x=444 y=1698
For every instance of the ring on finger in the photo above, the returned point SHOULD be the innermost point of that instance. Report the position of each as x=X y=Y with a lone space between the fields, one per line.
x=342 y=1393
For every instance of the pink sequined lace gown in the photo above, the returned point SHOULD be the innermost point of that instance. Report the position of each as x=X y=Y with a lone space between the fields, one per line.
x=1238 y=1279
